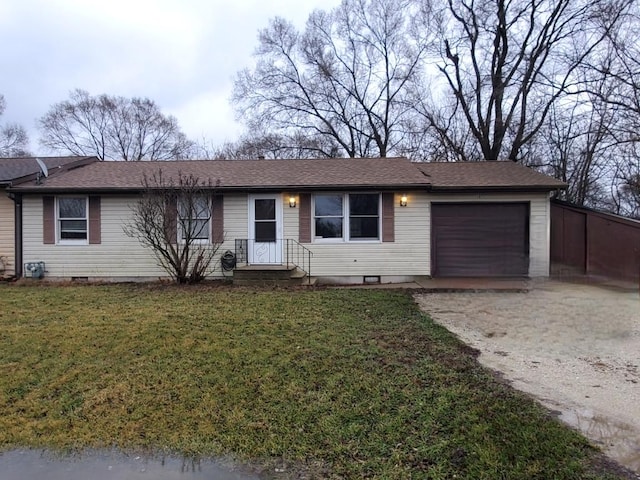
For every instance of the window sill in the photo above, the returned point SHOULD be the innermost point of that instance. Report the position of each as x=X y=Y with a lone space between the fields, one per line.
x=195 y=242
x=338 y=241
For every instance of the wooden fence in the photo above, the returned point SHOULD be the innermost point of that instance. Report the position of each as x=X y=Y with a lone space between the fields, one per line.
x=588 y=242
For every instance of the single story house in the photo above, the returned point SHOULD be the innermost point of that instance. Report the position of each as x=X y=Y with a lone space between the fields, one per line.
x=13 y=171
x=358 y=220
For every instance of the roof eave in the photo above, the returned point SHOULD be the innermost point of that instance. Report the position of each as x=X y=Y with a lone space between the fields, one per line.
x=498 y=188
x=42 y=189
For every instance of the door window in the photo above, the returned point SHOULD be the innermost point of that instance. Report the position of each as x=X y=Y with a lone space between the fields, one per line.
x=265 y=220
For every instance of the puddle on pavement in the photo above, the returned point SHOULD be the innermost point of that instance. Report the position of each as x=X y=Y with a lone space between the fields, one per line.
x=41 y=465
x=618 y=440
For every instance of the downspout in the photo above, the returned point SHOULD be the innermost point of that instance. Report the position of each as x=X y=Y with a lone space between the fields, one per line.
x=17 y=199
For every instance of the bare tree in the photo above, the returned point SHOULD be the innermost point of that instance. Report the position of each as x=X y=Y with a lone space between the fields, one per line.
x=505 y=63
x=343 y=78
x=575 y=145
x=174 y=218
x=115 y=128
x=14 y=141
x=274 y=145
x=625 y=184
x=620 y=66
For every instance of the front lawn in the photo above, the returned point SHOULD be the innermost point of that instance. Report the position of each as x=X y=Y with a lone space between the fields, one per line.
x=334 y=383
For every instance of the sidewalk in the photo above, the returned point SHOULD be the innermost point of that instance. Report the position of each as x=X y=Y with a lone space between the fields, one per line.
x=480 y=284
x=432 y=285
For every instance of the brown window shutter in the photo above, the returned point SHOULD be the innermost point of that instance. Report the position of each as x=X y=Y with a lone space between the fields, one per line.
x=95 y=228
x=171 y=219
x=388 y=221
x=218 y=218
x=304 y=218
x=48 y=220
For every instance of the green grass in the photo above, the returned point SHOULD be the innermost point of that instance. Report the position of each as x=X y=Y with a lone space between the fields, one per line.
x=357 y=383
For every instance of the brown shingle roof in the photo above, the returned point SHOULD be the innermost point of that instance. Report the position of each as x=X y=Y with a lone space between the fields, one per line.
x=498 y=175
x=18 y=167
x=317 y=174
x=244 y=174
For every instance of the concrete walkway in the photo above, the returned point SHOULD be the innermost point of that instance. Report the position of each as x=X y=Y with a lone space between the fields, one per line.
x=479 y=284
x=573 y=346
x=434 y=285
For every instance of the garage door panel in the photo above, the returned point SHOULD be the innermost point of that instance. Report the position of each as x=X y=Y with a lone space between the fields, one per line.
x=480 y=239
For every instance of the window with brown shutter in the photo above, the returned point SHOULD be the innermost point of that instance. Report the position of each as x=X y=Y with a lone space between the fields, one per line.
x=71 y=220
x=388 y=219
x=304 y=218
x=218 y=218
x=48 y=220
x=95 y=222
x=171 y=219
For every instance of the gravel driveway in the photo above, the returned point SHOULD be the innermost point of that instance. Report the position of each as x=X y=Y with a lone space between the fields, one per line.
x=574 y=347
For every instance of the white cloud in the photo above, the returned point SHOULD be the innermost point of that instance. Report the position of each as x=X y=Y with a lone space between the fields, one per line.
x=181 y=53
x=207 y=115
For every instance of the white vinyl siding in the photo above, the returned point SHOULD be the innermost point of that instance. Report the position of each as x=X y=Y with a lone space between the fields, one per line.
x=7 y=234
x=117 y=257
x=407 y=256
x=290 y=221
x=410 y=254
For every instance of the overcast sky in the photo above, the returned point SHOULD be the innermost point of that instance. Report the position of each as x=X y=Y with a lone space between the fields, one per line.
x=183 y=54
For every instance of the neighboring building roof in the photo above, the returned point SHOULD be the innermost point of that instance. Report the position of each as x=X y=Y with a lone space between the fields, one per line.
x=600 y=213
x=316 y=174
x=500 y=175
x=15 y=168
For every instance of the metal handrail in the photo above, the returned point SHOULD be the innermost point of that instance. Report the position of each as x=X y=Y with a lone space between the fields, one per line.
x=300 y=256
x=295 y=254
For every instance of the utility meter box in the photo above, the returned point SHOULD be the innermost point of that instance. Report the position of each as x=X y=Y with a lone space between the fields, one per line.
x=34 y=269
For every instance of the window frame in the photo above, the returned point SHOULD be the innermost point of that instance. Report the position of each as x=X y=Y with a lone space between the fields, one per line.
x=59 y=219
x=346 y=219
x=209 y=218
x=317 y=239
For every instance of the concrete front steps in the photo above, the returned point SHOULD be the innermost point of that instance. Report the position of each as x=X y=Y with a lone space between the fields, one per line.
x=276 y=275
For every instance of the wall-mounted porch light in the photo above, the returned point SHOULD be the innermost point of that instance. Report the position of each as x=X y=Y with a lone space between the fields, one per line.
x=292 y=202
x=403 y=201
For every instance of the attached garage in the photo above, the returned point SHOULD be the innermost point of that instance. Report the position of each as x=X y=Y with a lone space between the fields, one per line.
x=480 y=239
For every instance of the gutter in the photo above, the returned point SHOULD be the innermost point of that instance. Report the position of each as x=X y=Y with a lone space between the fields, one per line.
x=266 y=188
x=17 y=199
x=500 y=188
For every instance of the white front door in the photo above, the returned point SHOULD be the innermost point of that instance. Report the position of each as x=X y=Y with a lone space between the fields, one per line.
x=265 y=229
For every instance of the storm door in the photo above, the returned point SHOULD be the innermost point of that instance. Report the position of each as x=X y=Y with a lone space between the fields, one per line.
x=265 y=229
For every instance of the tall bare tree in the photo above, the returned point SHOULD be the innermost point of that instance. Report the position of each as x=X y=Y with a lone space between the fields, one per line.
x=621 y=65
x=14 y=141
x=275 y=145
x=625 y=186
x=505 y=63
x=344 y=78
x=591 y=137
x=174 y=219
x=576 y=145
x=112 y=127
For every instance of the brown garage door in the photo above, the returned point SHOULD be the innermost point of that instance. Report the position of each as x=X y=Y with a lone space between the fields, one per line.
x=480 y=239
